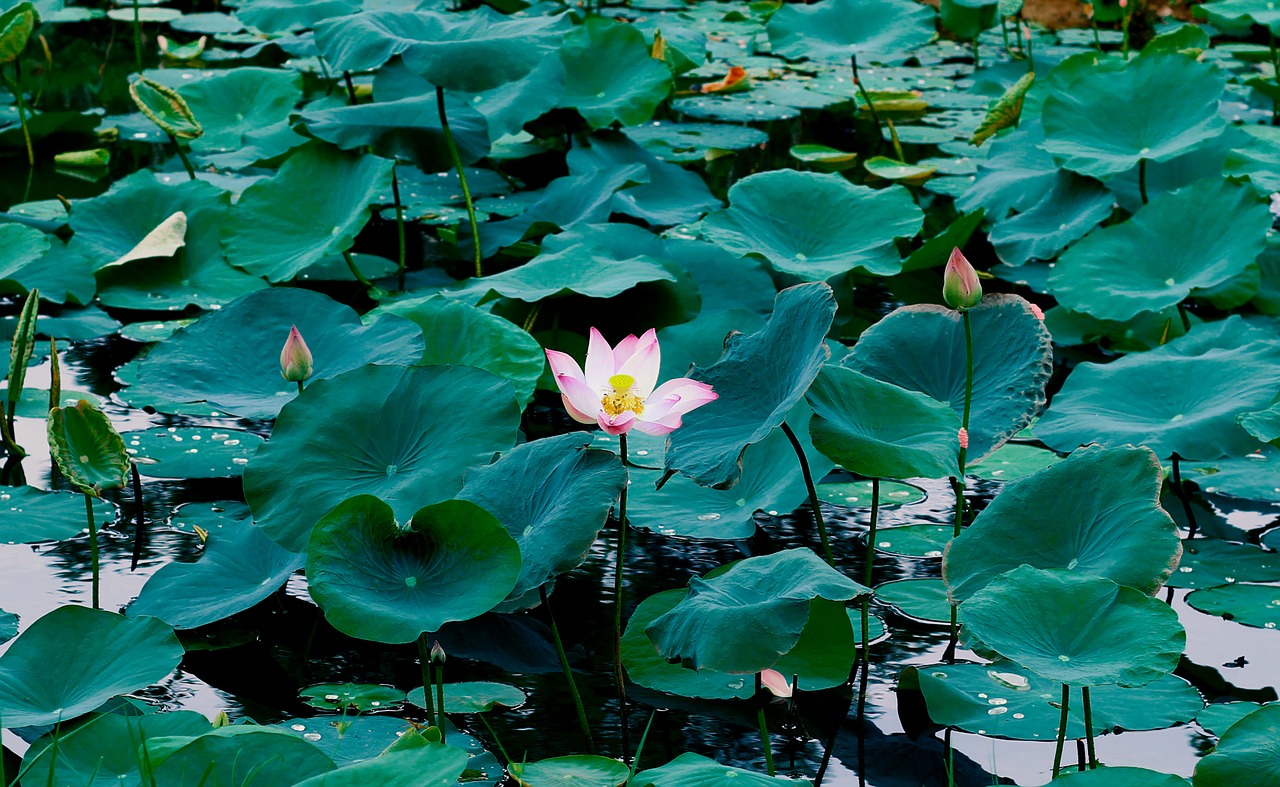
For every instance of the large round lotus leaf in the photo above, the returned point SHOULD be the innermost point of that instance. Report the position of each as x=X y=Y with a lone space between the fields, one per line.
x=231 y=357
x=1084 y=130
x=821 y=657
x=1013 y=461
x=352 y=696
x=1218 y=717
x=694 y=770
x=237 y=754
x=473 y=697
x=574 y=770
x=190 y=452
x=609 y=75
x=430 y=765
x=747 y=618
x=1117 y=530
x=1252 y=605
x=87 y=448
x=759 y=379
x=238 y=568
x=312 y=208
x=30 y=515
x=1211 y=562
x=553 y=496
x=1264 y=424
x=923 y=600
x=771 y=481
x=74 y=659
x=1179 y=245
x=1004 y=700
x=770 y=215
x=1121 y=776
x=472 y=51
x=921 y=348
x=392 y=432
x=233 y=103
x=1247 y=753
x=1181 y=398
x=104 y=748
x=1075 y=629
x=379 y=581
x=836 y=29
x=879 y=430
x=355 y=738
x=457 y=333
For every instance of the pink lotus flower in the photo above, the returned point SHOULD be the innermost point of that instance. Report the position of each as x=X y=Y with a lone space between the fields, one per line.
x=777 y=685
x=617 y=390
x=961 y=288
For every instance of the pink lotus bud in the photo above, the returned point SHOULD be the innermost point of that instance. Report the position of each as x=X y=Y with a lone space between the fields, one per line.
x=1037 y=312
x=437 y=653
x=961 y=289
x=964 y=438
x=777 y=685
x=295 y=358
x=1124 y=3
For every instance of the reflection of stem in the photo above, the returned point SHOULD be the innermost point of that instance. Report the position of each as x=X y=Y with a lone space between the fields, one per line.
x=1062 y=730
x=1142 y=180
x=871 y=107
x=764 y=740
x=191 y=172
x=1088 y=726
x=16 y=89
x=1181 y=491
x=618 y=568
x=462 y=177
x=424 y=660
x=813 y=494
x=93 y=545
x=568 y=672
x=395 y=194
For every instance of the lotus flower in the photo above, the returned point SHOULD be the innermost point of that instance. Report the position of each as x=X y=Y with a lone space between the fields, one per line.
x=960 y=286
x=777 y=685
x=295 y=358
x=617 y=390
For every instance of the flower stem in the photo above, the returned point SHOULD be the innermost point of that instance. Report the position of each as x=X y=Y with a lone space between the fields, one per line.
x=186 y=162
x=618 y=568
x=764 y=740
x=1142 y=180
x=351 y=265
x=1181 y=491
x=462 y=178
x=438 y=669
x=568 y=672
x=1062 y=730
x=871 y=107
x=958 y=483
x=866 y=574
x=813 y=493
x=395 y=195
x=16 y=90
x=93 y=545
x=1088 y=726
x=137 y=36
x=424 y=661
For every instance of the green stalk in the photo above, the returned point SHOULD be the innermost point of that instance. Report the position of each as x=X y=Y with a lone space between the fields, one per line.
x=1062 y=730
x=1181 y=492
x=1124 y=26
x=351 y=265
x=975 y=53
x=618 y=568
x=139 y=520
x=191 y=172
x=137 y=36
x=1275 y=74
x=439 y=672
x=1097 y=40
x=764 y=740
x=1142 y=180
x=395 y=194
x=959 y=484
x=568 y=672
x=16 y=89
x=866 y=574
x=462 y=178
x=813 y=494
x=424 y=661
x=1088 y=726
x=871 y=107
x=93 y=545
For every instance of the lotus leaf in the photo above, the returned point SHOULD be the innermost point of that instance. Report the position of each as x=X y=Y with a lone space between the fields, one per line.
x=835 y=29
x=233 y=755
x=8 y=626
x=694 y=770
x=165 y=107
x=921 y=348
x=73 y=659
x=1255 y=476
x=358 y=738
x=1238 y=16
x=473 y=697
x=672 y=195
x=770 y=216
x=693 y=141
x=923 y=600
x=858 y=493
x=1122 y=776
x=358 y=697
x=87 y=448
x=45 y=516
x=1075 y=629
x=1252 y=605
x=23 y=246
x=1212 y=562
x=609 y=76
x=746 y=619
x=190 y=452
x=1247 y=753
x=430 y=765
x=1065 y=214
x=387 y=431
x=1016 y=175
x=570 y=771
x=575 y=269
x=16 y=25
x=234 y=103
x=1013 y=461
x=103 y=748
x=914 y=540
x=1219 y=716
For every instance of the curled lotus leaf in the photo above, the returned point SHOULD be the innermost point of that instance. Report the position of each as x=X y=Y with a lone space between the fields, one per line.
x=165 y=108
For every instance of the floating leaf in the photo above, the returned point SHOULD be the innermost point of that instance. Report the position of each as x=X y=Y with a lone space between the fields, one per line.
x=1211 y=562
x=164 y=107
x=694 y=770
x=924 y=600
x=190 y=452
x=1013 y=461
x=358 y=697
x=33 y=515
x=473 y=697
x=858 y=493
x=1252 y=605
x=570 y=770
x=1245 y=754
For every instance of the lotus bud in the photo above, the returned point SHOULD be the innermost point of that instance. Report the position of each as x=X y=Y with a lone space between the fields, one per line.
x=295 y=358
x=961 y=289
x=221 y=720
x=776 y=683
x=437 y=653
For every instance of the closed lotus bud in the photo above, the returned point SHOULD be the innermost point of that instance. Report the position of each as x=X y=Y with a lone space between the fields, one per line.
x=961 y=289
x=222 y=719
x=437 y=653
x=295 y=358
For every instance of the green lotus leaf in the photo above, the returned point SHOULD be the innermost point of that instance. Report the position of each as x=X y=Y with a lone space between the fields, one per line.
x=553 y=496
x=879 y=430
x=190 y=452
x=355 y=738
x=473 y=697
x=672 y=194
x=87 y=448
x=1122 y=776
x=165 y=107
x=1016 y=175
x=1264 y=424
x=759 y=379
x=471 y=51
x=1251 y=605
x=1065 y=214
x=921 y=348
x=823 y=158
x=1082 y=128
x=508 y=107
x=1184 y=243
x=694 y=770
x=1076 y=629
x=1212 y=562
x=609 y=75
x=16 y=26
x=238 y=568
x=922 y=600
x=1005 y=111
x=280 y=16
x=570 y=770
x=144 y=14
x=63 y=274
x=853 y=494
x=73 y=659
x=1173 y=399
x=234 y=103
x=680 y=142
x=822 y=657
x=8 y=626
x=892 y=169
x=387 y=431
x=769 y=216
x=835 y=29
x=746 y=619
x=312 y=208
x=701 y=340
x=46 y=516
x=1238 y=16
x=104 y=748
x=1258 y=157
x=1246 y=753
x=358 y=697
x=429 y=765
x=234 y=755
x=1219 y=716
x=1013 y=461
x=1254 y=476
x=1004 y=700
x=380 y=581
x=457 y=333
x=1117 y=531
x=577 y=269
x=926 y=541
x=23 y=246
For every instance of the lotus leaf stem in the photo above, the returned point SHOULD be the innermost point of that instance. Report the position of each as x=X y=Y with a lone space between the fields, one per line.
x=1088 y=726
x=93 y=545
x=568 y=673
x=462 y=178
x=401 y=261
x=1142 y=180
x=618 y=568
x=438 y=670
x=16 y=89
x=351 y=88
x=139 y=517
x=137 y=36
x=1062 y=730
x=424 y=661
x=1124 y=26
x=951 y=759
x=975 y=53
x=764 y=741
x=871 y=107
x=1181 y=491
x=186 y=162
x=813 y=494
x=866 y=572
x=644 y=737
x=1275 y=75
x=351 y=265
